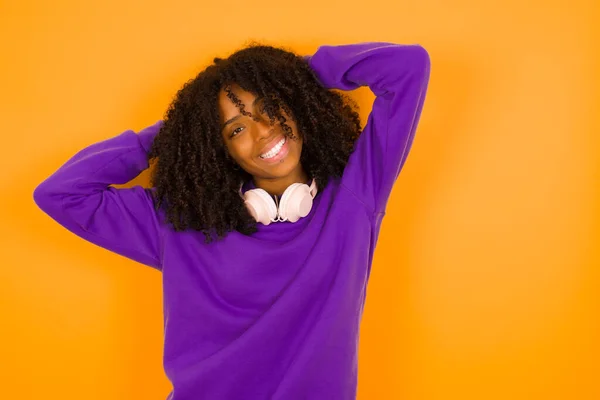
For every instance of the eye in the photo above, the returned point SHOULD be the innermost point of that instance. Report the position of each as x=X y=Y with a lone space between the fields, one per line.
x=236 y=131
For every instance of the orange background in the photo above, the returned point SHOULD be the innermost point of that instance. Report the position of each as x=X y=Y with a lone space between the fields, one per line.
x=485 y=283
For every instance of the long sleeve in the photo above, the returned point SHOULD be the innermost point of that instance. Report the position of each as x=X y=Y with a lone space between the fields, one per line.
x=398 y=75
x=79 y=198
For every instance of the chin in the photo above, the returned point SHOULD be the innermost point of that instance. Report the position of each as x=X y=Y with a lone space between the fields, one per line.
x=283 y=169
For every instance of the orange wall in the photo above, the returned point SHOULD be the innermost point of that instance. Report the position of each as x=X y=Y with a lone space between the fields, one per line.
x=485 y=282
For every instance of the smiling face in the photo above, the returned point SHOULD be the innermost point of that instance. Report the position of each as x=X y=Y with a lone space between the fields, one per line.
x=258 y=147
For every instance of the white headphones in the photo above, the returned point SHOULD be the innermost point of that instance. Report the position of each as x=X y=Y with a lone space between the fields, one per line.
x=296 y=202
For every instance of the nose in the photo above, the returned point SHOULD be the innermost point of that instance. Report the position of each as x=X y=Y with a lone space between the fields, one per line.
x=264 y=129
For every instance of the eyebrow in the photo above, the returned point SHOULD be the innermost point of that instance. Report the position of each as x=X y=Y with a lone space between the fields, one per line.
x=232 y=119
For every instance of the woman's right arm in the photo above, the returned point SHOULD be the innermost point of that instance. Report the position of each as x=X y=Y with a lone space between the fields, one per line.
x=79 y=197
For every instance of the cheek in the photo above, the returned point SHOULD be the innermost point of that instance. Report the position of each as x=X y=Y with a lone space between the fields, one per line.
x=296 y=133
x=299 y=148
x=241 y=150
x=299 y=141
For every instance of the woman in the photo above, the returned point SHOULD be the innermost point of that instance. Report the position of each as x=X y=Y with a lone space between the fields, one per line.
x=263 y=215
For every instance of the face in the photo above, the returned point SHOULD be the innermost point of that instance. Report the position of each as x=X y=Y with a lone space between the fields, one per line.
x=258 y=147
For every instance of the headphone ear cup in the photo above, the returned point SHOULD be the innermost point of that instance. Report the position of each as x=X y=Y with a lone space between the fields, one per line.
x=296 y=202
x=260 y=205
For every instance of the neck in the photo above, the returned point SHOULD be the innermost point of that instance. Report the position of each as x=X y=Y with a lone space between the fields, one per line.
x=276 y=186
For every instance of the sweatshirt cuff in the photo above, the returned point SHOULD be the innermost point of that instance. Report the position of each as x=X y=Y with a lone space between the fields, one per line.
x=147 y=135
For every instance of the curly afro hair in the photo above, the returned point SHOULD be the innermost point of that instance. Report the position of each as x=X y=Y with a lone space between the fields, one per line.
x=197 y=181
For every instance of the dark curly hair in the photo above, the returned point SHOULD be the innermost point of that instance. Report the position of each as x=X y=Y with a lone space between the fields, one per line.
x=196 y=179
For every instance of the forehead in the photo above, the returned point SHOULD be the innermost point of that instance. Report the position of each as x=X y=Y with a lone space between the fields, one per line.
x=227 y=108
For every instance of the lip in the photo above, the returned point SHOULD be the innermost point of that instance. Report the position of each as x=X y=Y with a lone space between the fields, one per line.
x=270 y=145
x=285 y=149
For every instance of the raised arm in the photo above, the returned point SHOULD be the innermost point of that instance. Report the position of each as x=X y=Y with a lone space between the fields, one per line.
x=78 y=197
x=398 y=75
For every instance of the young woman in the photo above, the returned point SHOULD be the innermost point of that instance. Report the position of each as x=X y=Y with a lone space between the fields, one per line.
x=264 y=211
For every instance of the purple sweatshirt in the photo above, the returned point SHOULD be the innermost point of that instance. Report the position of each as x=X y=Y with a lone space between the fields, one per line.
x=274 y=315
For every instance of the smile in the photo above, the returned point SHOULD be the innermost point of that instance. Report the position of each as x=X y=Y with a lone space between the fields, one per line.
x=275 y=150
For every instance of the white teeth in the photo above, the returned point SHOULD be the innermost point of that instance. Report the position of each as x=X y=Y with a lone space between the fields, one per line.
x=274 y=151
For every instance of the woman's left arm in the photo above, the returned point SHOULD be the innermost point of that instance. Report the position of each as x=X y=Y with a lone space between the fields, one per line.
x=398 y=75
